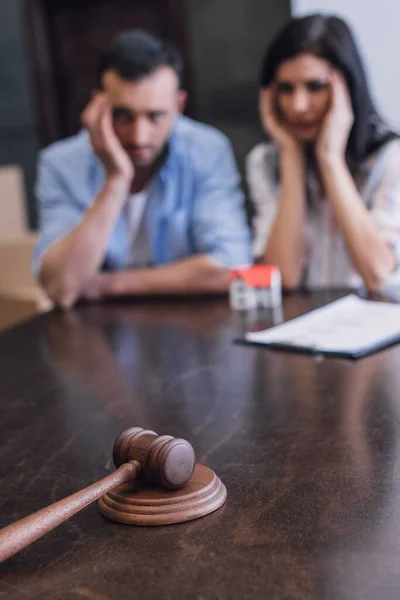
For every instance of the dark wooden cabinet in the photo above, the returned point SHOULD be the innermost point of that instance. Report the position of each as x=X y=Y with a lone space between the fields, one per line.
x=65 y=38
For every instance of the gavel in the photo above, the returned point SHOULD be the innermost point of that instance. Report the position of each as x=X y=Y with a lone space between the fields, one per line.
x=162 y=460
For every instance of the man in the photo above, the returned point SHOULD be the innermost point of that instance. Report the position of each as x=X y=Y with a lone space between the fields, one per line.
x=145 y=201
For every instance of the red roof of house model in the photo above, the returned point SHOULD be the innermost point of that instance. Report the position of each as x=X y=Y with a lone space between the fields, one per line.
x=255 y=276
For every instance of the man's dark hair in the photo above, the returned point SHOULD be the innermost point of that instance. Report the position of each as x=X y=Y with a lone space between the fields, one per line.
x=134 y=54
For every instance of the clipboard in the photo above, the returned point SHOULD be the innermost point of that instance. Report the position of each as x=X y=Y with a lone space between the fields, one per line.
x=347 y=328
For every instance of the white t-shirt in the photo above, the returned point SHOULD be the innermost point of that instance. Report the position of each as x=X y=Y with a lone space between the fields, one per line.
x=140 y=253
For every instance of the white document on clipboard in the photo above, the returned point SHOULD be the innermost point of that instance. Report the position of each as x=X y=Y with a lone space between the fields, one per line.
x=350 y=327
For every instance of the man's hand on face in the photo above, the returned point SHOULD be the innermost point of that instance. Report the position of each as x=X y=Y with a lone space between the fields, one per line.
x=97 y=119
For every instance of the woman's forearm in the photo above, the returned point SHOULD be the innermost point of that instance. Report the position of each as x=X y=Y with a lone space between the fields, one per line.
x=285 y=247
x=369 y=252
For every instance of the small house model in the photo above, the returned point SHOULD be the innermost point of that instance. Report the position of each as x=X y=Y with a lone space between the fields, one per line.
x=255 y=287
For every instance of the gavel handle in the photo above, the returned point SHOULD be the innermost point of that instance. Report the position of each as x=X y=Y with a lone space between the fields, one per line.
x=17 y=536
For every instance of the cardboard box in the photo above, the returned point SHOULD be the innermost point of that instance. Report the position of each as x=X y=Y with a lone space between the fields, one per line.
x=20 y=295
x=14 y=309
x=13 y=220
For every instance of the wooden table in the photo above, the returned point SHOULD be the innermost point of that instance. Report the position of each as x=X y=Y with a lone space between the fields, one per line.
x=308 y=449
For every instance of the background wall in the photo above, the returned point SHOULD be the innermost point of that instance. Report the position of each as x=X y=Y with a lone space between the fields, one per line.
x=226 y=41
x=18 y=140
x=376 y=25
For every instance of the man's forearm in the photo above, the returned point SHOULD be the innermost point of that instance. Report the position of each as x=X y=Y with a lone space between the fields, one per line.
x=74 y=260
x=194 y=275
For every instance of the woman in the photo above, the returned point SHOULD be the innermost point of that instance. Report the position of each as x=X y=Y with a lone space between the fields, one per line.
x=326 y=188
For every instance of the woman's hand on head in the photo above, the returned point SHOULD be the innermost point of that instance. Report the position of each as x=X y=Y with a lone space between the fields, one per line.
x=335 y=130
x=271 y=123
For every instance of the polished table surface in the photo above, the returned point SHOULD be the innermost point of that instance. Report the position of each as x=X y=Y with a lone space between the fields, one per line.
x=309 y=450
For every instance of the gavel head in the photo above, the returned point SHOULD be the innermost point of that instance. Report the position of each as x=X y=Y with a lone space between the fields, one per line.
x=165 y=460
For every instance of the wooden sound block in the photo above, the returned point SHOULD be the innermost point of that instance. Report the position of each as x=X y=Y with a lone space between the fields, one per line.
x=136 y=504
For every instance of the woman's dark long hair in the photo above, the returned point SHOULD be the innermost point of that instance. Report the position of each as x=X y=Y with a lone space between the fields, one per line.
x=330 y=38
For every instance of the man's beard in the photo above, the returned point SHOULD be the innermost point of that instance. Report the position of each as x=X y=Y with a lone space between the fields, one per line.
x=155 y=160
x=140 y=156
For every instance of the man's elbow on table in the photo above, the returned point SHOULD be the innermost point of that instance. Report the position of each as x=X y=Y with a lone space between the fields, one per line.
x=61 y=289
